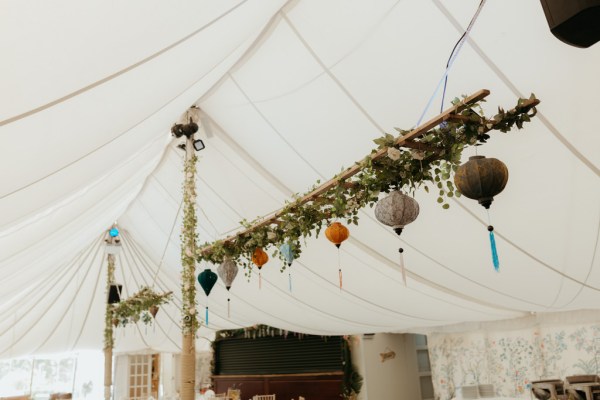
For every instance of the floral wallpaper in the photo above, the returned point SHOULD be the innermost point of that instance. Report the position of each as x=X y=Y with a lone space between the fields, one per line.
x=510 y=360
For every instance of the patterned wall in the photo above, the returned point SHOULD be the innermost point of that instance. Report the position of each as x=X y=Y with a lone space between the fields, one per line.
x=510 y=360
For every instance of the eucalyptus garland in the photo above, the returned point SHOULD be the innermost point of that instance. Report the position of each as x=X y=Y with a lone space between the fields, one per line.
x=188 y=245
x=138 y=306
x=109 y=340
x=429 y=165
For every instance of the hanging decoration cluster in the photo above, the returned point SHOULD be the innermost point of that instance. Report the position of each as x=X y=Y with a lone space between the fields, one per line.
x=398 y=166
x=143 y=305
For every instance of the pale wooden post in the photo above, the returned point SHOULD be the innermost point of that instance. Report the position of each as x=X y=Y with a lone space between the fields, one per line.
x=109 y=341
x=188 y=275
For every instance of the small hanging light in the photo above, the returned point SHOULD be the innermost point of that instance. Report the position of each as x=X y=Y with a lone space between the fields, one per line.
x=481 y=179
x=337 y=233
x=288 y=256
x=227 y=271
x=397 y=210
x=259 y=258
x=207 y=280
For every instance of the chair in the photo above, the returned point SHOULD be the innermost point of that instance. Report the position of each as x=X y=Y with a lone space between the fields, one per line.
x=61 y=396
x=264 y=397
x=486 y=390
x=582 y=387
x=301 y=398
x=220 y=398
x=549 y=388
x=467 y=392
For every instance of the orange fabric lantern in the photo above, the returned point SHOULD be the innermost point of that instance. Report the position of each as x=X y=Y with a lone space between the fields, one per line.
x=337 y=233
x=259 y=257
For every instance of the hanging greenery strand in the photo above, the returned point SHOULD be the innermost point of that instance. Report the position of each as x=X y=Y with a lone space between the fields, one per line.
x=425 y=157
x=138 y=307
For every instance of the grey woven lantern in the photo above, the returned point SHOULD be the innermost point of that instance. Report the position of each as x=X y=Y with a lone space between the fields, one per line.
x=397 y=210
x=227 y=272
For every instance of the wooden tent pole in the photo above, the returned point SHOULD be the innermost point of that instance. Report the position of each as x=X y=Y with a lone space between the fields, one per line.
x=109 y=340
x=188 y=247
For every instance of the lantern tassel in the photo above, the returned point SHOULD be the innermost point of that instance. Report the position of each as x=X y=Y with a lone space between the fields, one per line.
x=495 y=259
x=259 y=280
x=290 y=280
x=206 y=316
x=401 y=251
x=339 y=266
x=228 y=308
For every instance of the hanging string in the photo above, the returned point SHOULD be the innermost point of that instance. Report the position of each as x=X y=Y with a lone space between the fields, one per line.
x=495 y=259
x=401 y=251
x=453 y=56
x=339 y=266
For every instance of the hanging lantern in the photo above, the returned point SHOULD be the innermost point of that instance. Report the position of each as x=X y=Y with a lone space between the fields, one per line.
x=113 y=232
x=481 y=179
x=114 y=293
x=207 y=280
x=227 y=271
x=153 y=310
x=260 y=258
x=337 y=233
x=288 y=256
x=397 y=210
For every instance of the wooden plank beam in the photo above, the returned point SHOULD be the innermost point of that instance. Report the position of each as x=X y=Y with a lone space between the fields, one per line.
x=348 y=173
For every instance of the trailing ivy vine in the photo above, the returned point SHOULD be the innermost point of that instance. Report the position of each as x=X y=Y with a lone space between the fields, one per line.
x=429 y=166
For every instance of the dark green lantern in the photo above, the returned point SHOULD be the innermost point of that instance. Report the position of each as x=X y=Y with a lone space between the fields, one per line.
x=481 y=179
x=207 y=280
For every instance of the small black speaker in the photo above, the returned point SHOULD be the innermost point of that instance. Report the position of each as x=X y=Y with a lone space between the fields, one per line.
x=114 y=294
x=575 y=22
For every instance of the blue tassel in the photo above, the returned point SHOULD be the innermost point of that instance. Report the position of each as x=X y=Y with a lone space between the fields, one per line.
x=495 y=259
x=206 y=316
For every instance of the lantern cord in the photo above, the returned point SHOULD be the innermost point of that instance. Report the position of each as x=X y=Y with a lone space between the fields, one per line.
x=401 y=251
x=339 y=268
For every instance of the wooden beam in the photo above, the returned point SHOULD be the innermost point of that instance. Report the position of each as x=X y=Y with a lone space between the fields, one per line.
x=356 y=168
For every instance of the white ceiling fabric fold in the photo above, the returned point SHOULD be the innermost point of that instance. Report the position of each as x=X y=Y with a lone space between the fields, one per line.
x=291 y=92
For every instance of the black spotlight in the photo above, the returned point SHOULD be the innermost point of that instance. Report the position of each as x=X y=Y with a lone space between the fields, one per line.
x=199 y=145
x=114 y=293
x=187 y=130
x=575 y=22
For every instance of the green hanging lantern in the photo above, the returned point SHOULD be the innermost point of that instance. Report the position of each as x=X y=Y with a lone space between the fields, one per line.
x=207 y=280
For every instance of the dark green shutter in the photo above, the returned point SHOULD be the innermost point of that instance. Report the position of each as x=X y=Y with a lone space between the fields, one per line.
x=278 y=355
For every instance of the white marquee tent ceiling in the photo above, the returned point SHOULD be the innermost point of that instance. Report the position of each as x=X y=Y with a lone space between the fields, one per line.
x=291 y=92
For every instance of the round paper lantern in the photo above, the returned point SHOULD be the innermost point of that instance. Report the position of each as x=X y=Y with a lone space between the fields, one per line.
x=287 y=253
x=227 y=272
x=481 y=179
x=259 y=257
x=113 y=232
x=397 y=210
x=337 y=233
x=207 y=280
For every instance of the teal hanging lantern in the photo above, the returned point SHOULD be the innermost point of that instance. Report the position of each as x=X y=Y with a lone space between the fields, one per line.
x=207 y=280
x=288 y=256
